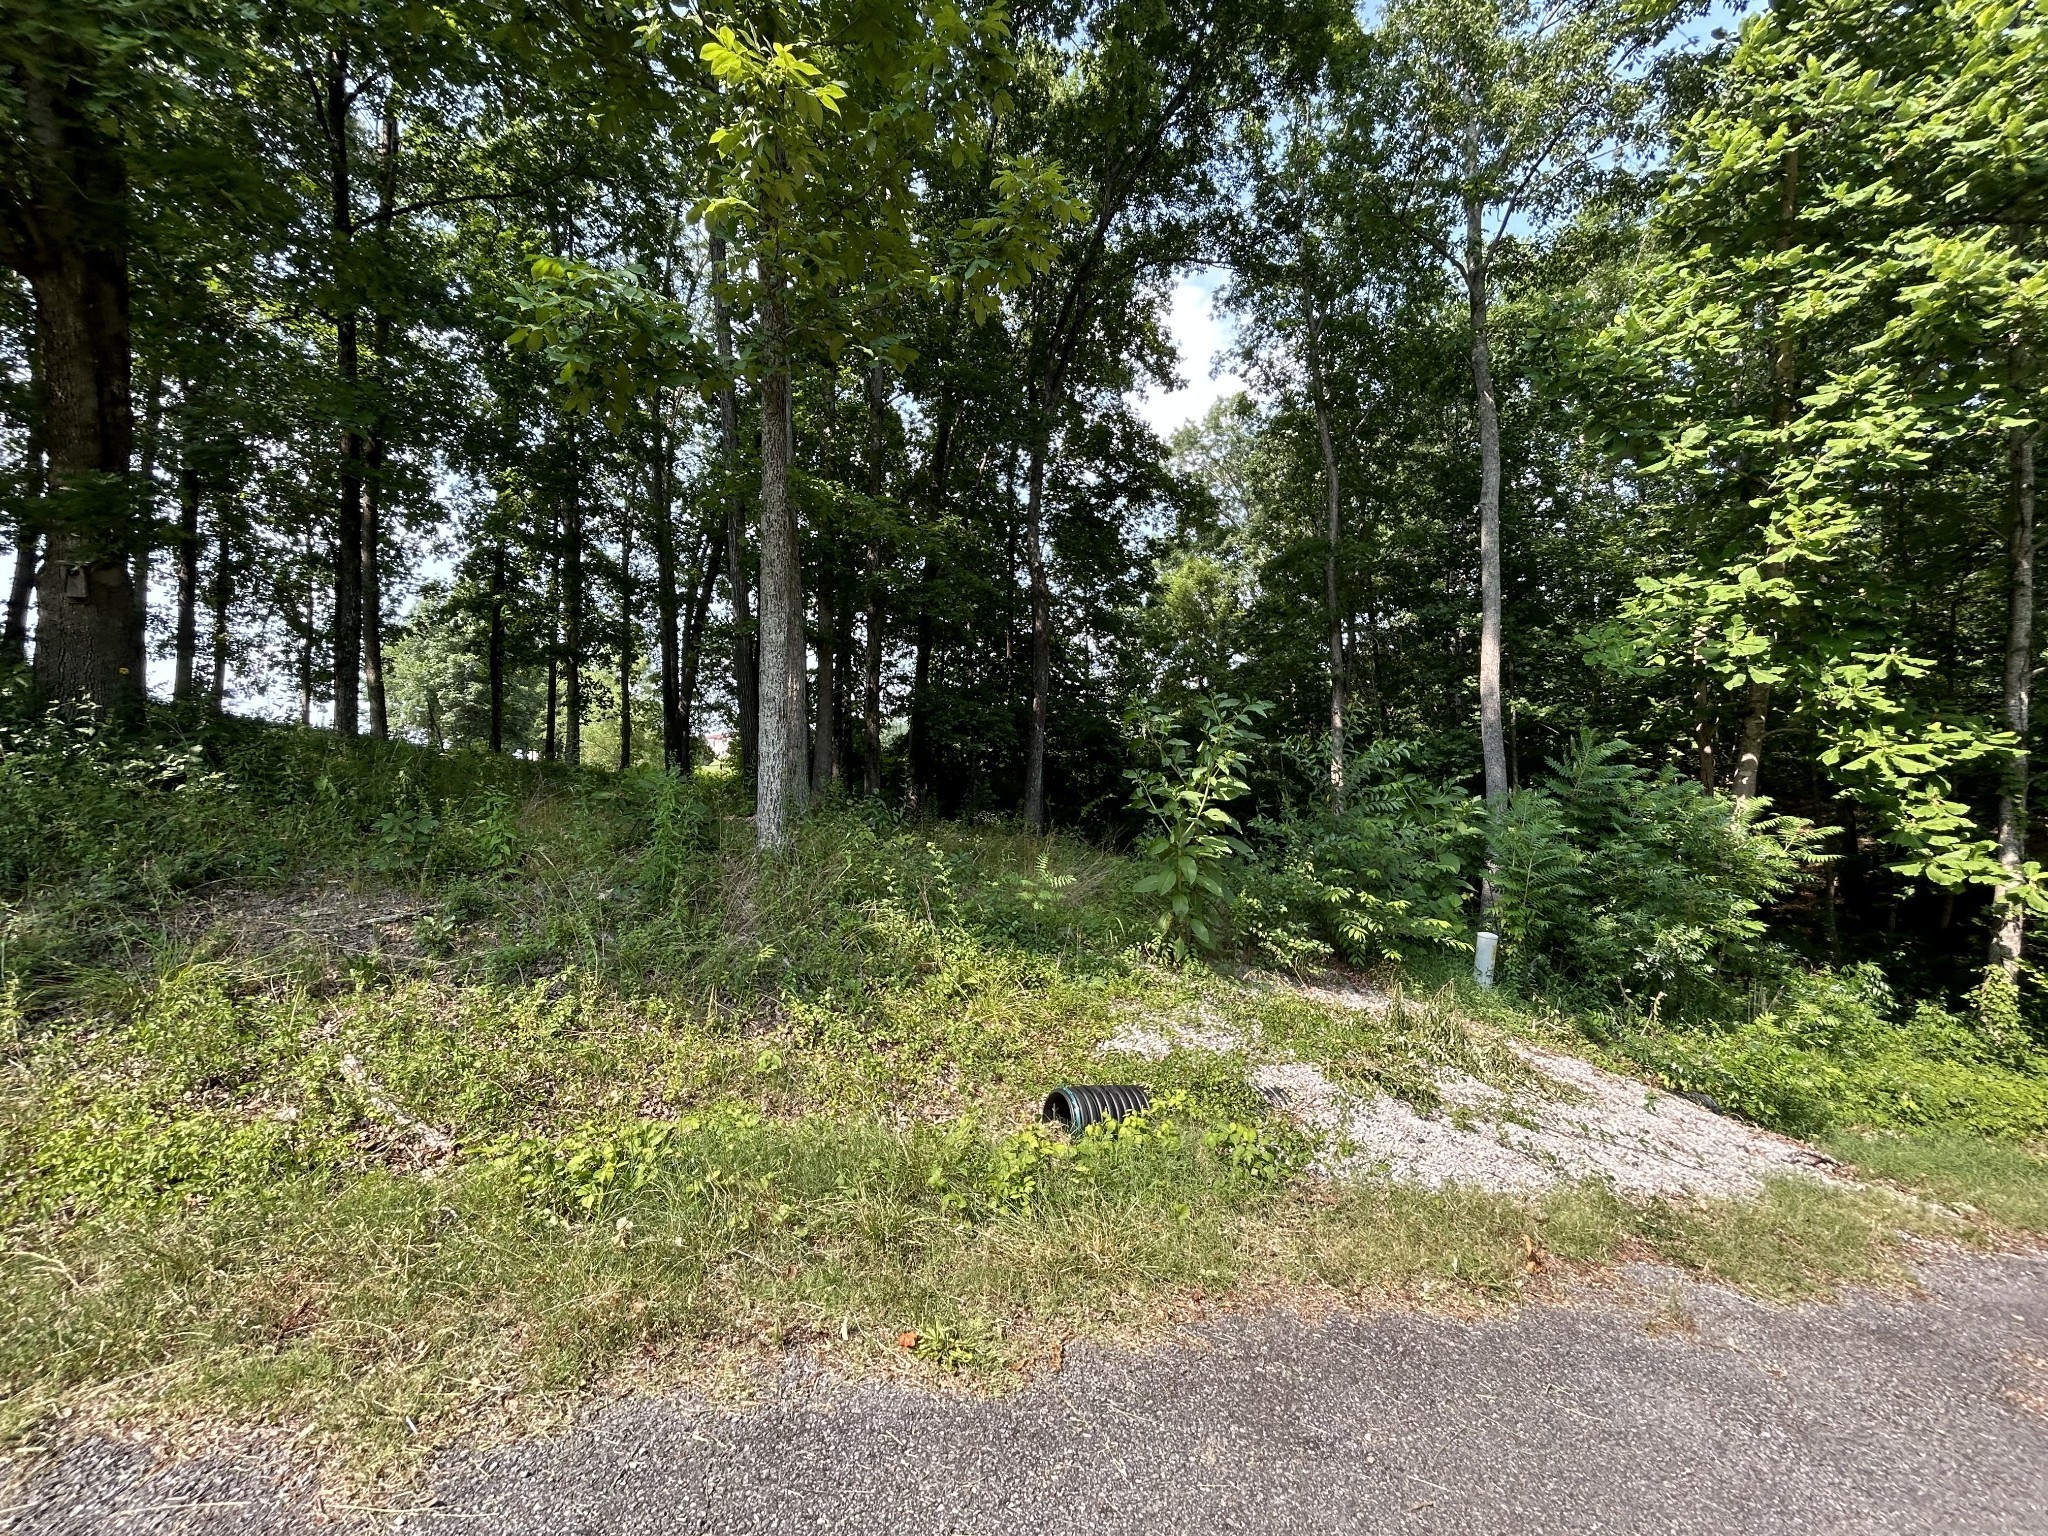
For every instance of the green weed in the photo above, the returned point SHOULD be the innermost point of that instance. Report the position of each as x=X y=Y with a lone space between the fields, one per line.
x=480 y=1081
x=1999 y=1180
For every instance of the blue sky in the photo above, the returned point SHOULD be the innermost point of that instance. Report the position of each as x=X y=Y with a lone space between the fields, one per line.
x=1201 y=336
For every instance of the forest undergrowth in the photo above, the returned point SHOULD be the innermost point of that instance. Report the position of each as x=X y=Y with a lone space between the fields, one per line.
x=378 y=1097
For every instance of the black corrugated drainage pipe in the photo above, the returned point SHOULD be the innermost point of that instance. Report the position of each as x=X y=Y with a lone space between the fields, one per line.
x=1076 y=1108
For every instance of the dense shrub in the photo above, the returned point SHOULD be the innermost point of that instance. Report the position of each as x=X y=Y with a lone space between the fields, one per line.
x=1835 y=1049
x=1385 y=878
x=1613 y=877
x=1608 y=876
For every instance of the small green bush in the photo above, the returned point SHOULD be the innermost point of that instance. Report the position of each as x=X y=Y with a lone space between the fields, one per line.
x=1380 y=882
x=1835 y=1049
x=1611 y=877
x=1608 y=878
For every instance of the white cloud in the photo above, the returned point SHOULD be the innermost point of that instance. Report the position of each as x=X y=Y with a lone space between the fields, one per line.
x=1200 y=336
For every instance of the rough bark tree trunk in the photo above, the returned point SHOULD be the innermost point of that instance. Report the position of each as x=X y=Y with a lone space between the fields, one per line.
x=375 y=454
x=1703 y=733
x=572 y=612
x=920 y=695
x=550 y=745
x=746 y=672
x=779 y=771
x=373 y=586
x=71 y=243
x=495 y=657
x=145 y=490
x=707 y=561
x=14 y=638
x=348 y=544
x=1041 y=630
x=626 y=637
x=1492 y=736
x=2008 y=931
x=1749 y=753
x=306 y=669
x=1374 y=646
x=223 y=592
x=871 y=631
x=941 y=474
x=27 y=533
x=1340 y=693
x=675 y=738
x=185 y=641
x=825 y=740
x=842 y=707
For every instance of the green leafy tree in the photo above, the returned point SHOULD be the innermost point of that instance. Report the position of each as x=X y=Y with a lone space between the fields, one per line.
x=1833 y=344
x=1503 y=118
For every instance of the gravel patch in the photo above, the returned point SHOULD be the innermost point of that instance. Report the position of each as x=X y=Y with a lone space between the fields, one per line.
x=1574 y=1122
x=1585 y=1123
x=1157 y=1039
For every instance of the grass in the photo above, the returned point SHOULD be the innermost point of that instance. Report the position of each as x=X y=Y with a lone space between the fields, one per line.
x=384 y=1098
x=392 y=1312
x=1999 y=1181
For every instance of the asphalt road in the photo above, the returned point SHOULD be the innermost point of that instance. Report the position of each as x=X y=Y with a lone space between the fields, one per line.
x=1728 y=1416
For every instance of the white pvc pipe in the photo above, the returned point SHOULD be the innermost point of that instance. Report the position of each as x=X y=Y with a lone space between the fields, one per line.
x=1482 y=958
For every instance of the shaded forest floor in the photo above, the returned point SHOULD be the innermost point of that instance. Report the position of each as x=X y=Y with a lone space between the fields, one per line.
x=377 y=1099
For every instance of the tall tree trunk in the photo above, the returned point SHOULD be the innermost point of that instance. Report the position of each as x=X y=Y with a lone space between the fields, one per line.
x=871 y=677
x=145 y=487
x=14 y=639
x=1703 y=733
x=71 y=242
x=842 y=707
x=1492 y=742
x=572 y=612
x=825 y=741
x=495 y=660
x=375 y=454
x=217 y=618
x=871 y=632
x=1046 y=400
x=1749 y=754
x=1041 y=630
x=920 y=743
x=373 y=586
x=1340 y=695
x=185 y=643
x=707 y=562
x=675 y=730
x=348 y=544
x=2008 y=931
x=745 y=636
x=549 y=746
x=1373 y=642
x=27 y=533
x=626 y=636
x=1784 y=397
x=309 y=630
x=779 y=771
x=941 y=474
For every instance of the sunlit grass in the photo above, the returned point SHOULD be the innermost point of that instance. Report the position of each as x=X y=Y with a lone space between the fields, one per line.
x=418 y=1104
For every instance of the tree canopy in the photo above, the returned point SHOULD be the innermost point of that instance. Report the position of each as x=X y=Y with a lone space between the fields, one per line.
x=652 y=385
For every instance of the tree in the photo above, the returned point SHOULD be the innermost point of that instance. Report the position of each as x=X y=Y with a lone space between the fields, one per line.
x=74 y=81
x=1499 y=116
x=1837 y=327
x=817 y=157
x=1150 y=95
